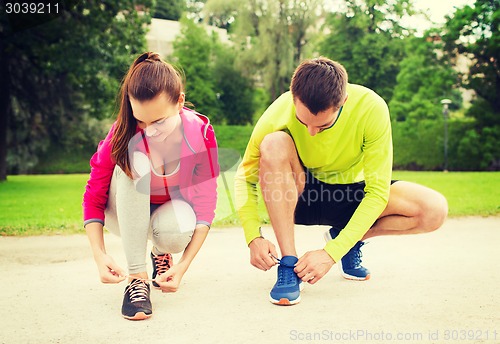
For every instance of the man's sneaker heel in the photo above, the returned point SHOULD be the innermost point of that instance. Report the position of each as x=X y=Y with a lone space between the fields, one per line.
x=350 y=265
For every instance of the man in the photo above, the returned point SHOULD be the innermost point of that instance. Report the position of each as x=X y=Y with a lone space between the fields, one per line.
x=323 y=156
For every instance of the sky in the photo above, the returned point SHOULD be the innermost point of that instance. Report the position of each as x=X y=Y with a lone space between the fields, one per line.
x=437 y=9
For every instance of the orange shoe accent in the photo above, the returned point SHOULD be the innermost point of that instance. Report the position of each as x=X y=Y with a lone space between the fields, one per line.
x=139 y=316
x=285 y=302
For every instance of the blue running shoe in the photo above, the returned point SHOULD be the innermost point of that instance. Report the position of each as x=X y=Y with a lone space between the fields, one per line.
x=286 y=291
x=350 y=265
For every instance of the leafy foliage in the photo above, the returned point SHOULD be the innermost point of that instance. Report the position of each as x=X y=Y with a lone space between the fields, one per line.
x=272 y=37
x=57 y=74
x=193 y=54
x=423 y=81
x=367 y=39
x=236 y=95
x=474 y=31
x=169 y=9
x=213 y=84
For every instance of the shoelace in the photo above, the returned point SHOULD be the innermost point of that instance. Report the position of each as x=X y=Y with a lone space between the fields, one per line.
x=138 y=290
x=355 y=257
x=286 y=275
x=162 y=263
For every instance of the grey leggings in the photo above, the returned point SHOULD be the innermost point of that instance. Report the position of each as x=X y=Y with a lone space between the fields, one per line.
x=129 y=215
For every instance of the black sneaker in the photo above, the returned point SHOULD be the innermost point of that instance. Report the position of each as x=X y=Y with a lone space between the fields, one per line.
x=161 y=263
x=136 y=302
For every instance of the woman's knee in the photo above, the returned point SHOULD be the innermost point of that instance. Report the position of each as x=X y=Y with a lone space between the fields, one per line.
x=172 y=226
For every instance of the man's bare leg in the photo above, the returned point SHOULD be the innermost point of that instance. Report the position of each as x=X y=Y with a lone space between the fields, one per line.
x=282 y=180
x=412 y=209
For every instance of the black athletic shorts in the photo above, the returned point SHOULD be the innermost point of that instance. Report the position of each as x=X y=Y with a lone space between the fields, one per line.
x=328 y=204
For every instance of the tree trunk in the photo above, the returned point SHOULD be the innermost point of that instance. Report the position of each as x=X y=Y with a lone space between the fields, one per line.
x=4 y=110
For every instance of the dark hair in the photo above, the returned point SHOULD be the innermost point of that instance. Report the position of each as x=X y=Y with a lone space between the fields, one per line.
x=319 y=84
x=146 y=78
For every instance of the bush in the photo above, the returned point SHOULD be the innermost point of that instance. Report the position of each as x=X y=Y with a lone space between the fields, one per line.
x=419 y=145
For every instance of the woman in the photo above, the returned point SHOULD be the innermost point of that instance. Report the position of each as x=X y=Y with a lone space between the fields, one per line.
x=153 y=177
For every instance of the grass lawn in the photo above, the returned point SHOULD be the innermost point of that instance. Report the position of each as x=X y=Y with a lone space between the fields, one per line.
x=51 y=204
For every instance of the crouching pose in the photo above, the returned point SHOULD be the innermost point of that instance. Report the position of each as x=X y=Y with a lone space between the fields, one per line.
x=322 y=154
x=152 y=177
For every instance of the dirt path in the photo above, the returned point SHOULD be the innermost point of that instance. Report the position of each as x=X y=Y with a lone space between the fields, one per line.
x=432 y=288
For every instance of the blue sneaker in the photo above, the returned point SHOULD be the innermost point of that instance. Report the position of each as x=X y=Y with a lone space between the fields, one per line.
x=350 y=265
x=286 y=291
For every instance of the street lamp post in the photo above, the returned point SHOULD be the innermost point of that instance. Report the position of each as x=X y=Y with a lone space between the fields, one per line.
x=446 y=103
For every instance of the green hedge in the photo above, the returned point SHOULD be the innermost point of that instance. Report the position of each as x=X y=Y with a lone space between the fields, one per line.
x=417 y=146
x=420 y=146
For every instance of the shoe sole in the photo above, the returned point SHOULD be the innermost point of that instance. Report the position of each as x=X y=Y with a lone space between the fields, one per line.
x=354 y=278
x=138 y=316
x=284 y=301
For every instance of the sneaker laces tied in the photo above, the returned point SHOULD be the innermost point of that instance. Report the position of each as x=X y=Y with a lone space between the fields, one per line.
x=286 y=273
x=162 y=263
x=355 y=257
x=138 y=290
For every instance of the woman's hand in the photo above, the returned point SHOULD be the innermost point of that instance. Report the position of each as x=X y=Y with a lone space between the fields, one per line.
x=170 y=280
x=109 y=271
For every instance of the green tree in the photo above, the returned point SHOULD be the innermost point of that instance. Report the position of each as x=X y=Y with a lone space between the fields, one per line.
x=220 y=13
x=169 y=9
x=56 y=71
x=474 y=32
x=423 y=81
x=367 y=38
x=194 y=10
x=213 y=84
x=193 y=53
x=271 y=36
x=236 y=91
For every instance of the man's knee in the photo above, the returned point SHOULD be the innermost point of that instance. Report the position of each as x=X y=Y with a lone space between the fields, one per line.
x=434 y=212
x=276 y=148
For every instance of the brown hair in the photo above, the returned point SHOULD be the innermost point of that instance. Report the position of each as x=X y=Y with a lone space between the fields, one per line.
x=319 y=84
x=147 y=77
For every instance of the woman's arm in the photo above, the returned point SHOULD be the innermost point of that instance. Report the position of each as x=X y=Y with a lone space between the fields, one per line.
x=109 y=271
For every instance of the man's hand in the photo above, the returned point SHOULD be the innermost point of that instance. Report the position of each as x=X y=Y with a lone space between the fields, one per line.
x=260 y=253
x=313 y=265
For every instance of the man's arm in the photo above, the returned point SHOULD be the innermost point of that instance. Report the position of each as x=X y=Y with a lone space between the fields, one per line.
x=377 y=158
